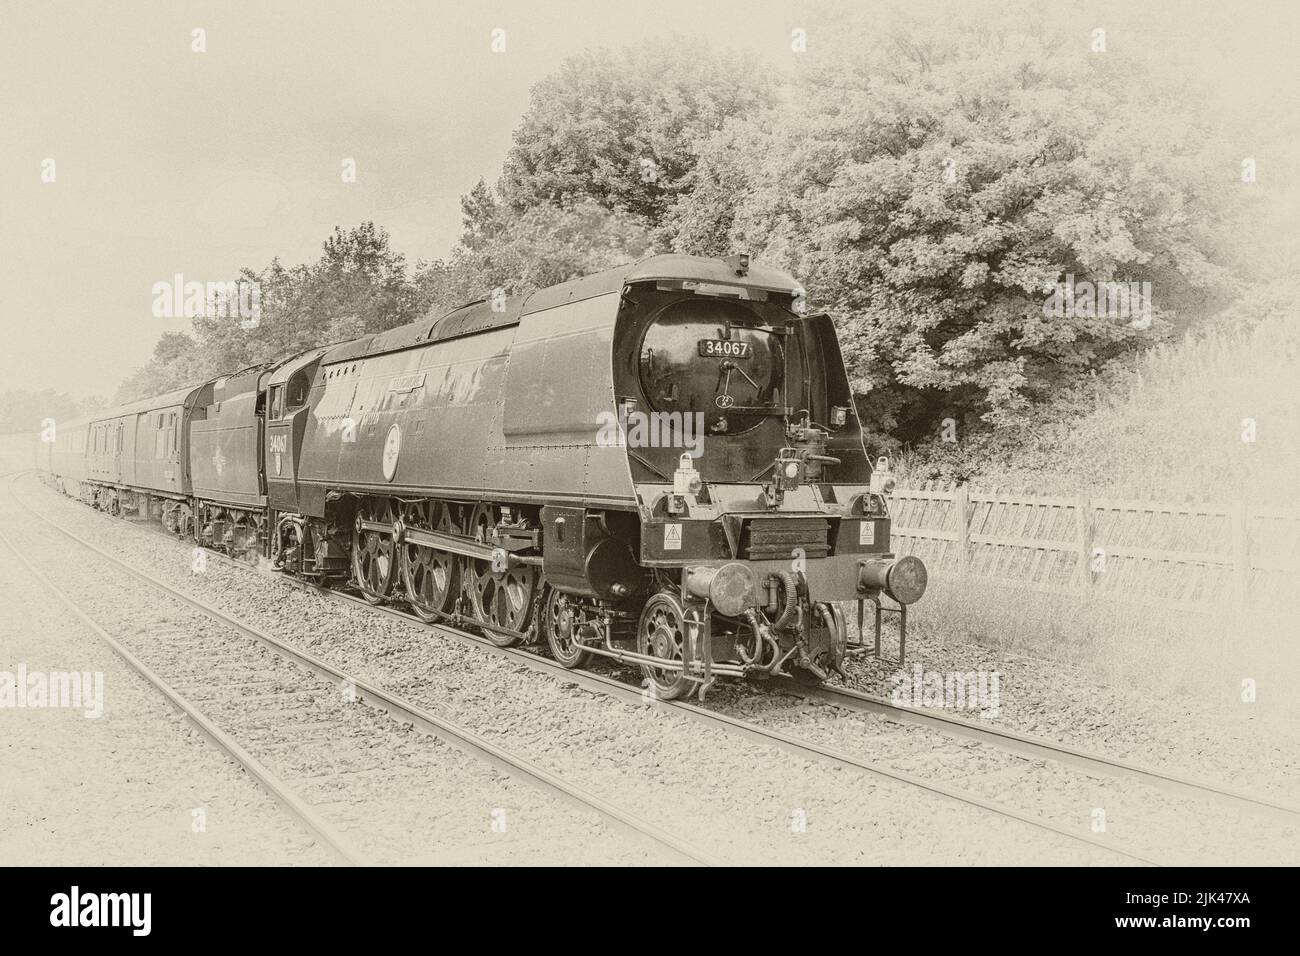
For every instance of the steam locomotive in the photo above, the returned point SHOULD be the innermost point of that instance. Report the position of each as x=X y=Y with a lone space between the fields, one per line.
x=659 y=464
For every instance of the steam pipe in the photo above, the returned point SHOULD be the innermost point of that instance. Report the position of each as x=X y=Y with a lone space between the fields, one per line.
x=791 y=599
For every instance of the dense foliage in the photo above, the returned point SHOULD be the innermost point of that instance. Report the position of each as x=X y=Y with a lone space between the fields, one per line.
x=928 y=191
x=929 y=200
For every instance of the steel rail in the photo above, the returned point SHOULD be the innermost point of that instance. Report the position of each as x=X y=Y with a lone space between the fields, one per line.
x=460 y=737
x=1007 y=740
x=611 y=687
x=1024 y=745
x=277 y=788
x=805 y=749
x=1039 y=748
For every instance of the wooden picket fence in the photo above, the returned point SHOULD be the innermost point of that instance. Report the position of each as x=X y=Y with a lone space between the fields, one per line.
x=1187 y=556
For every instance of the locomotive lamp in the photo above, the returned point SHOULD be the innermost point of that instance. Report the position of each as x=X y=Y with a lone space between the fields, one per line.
x=687 y=483
x=686 y=480
x=790 y=473
x=739 y=263
x=882 y=482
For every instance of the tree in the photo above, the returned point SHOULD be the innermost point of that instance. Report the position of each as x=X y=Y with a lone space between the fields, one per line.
x=932 y=193
x=359 y=285
x=175 y=364
x=519 y=252
x=620 y=128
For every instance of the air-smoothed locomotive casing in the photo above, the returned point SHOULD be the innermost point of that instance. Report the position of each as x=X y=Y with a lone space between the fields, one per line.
x=505 y=401
x=489 y=403
x=483 y=404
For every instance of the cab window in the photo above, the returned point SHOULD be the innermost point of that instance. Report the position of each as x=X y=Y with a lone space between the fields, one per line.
x=297 y=394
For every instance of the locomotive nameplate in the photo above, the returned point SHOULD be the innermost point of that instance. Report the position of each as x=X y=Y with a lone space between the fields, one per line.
x=724 y=348
x=392 y=449
x=407 y=383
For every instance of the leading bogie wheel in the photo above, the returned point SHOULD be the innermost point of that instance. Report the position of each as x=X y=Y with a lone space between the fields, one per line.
x=661 y=632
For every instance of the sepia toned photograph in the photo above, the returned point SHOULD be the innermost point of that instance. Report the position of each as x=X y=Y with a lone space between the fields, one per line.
x=739 y=434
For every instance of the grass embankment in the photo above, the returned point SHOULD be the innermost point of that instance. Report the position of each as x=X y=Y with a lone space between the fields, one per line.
x=1176 y=426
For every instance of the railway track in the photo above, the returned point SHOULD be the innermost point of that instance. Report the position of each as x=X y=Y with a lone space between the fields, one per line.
x=279 y=789
x=1029 y=747
x=394 y=706
x=618 y=689
x=1038 y=748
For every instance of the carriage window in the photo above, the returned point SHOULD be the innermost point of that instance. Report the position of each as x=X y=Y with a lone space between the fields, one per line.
x=160 y=440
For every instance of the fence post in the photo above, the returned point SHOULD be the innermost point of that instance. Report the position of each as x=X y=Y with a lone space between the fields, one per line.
x=1240 y=554
x=961 y=506
x=1083 y=522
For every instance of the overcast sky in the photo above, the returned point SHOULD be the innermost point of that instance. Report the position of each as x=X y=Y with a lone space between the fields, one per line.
x=170 y=161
